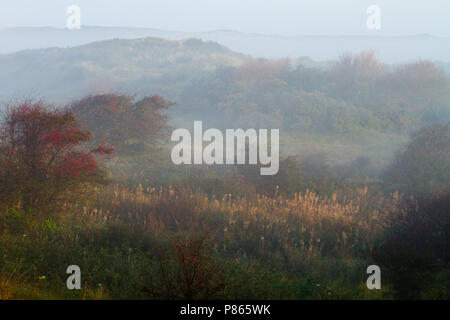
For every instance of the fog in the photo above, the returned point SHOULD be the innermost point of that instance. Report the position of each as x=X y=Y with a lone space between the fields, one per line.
x=134 y=146
x=281 y=17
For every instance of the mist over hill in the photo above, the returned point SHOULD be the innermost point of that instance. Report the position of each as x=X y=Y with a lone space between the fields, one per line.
x=345 y=108
x=389 y=49
x=142 y=163
x=145 y=66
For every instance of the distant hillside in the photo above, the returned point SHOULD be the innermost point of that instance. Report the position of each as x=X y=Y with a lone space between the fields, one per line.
x=142 y=65
x=353 y=106
x=389 y=49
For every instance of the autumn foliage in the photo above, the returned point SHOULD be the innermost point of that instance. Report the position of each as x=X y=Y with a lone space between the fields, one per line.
x=43 y=157
x=130 y=124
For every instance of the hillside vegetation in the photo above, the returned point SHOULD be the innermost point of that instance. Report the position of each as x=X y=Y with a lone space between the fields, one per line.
x=363 y=176
x=351 y=107
x=130 y=66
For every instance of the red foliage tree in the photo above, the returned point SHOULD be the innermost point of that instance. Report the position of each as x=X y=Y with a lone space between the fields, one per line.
x=130 y=125
x=43 y=157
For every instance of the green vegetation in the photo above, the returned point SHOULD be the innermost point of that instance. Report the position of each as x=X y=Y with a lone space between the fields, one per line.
x=142 y=243
x=354 y=106
x=142 y=228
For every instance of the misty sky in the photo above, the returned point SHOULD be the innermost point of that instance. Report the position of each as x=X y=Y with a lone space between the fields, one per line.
x=283 y=17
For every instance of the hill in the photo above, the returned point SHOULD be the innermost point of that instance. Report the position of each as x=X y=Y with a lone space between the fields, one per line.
x=136 y=65
x=390 y=49
x=347 y=108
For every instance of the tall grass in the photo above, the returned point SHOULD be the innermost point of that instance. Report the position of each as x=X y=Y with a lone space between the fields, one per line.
x=129 y=244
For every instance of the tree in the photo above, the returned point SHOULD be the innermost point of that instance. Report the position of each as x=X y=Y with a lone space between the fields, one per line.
x=423 y=167
x=414 y=248
x=354 y=76
x=130 y=125
x=43 y=158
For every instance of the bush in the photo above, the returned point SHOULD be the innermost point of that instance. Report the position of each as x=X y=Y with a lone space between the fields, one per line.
x=43 y=158
x=414 y=250
x=423 y=168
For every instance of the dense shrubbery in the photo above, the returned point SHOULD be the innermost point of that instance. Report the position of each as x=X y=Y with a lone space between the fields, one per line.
x=231 y=241
x=423 y=167
x=357 y=93
x=414 y=250
x=140 y=244
x=43 y=159
x=132 y=126
x=308 y=232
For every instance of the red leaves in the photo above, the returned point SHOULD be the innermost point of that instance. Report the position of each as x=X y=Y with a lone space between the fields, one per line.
x=44 y=158
x=77 y=164
x=46 y=141
x=121 y=118
x=62 y=138
x=55 y=138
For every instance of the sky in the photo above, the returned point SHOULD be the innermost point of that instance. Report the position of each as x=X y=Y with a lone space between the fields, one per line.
x=280 y=17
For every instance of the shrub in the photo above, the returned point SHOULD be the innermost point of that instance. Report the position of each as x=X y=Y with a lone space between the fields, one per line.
x=131 y=125
x=43 y=158
x=423 y=167
x=190 y=272
x=415 y=247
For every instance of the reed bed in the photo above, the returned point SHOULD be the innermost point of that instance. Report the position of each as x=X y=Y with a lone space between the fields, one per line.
x=292 y=229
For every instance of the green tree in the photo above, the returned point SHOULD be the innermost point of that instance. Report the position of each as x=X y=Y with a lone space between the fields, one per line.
x=423 y=167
